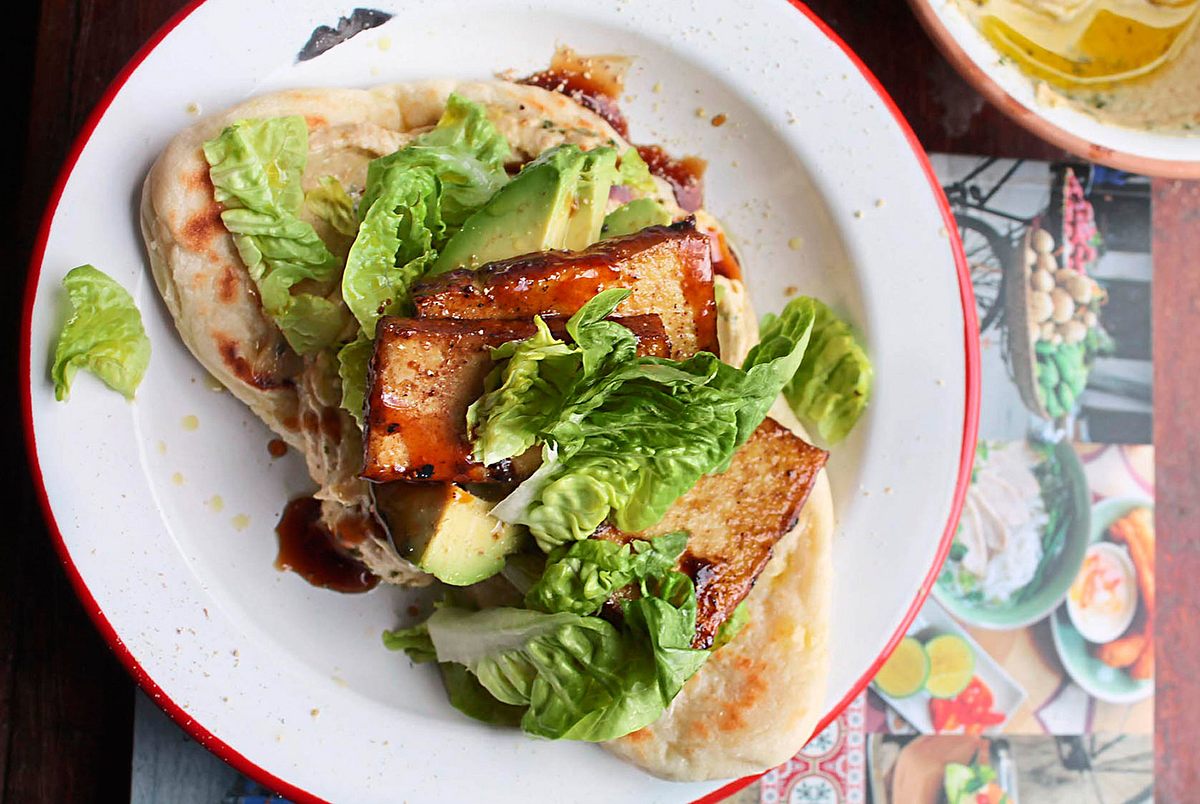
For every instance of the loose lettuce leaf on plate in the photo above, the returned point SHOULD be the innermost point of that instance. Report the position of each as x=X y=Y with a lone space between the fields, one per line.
x=256 y=167
x=104 y=334
x=831 y=387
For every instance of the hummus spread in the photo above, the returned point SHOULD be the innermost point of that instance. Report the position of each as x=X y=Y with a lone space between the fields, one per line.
x=1130 y=63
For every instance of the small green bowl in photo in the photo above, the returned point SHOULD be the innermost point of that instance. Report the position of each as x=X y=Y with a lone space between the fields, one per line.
x=1058 y=578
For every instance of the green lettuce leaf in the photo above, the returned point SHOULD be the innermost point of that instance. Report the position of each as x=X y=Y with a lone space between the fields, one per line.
x=103 y=334
x=413 y=201
x=832 y=385
x=534 y=379
x=330 y=202
x=414 y=641
x=394 y=247
x=471 y=698
x=581 y=576
x=575 y=677
x=522 y=395
x=634 y=173
x=631 y=435
x=962 y=783
x=782 y=346
x=465 y=152
x=732 y=626
x=256 y=167
x=353 y=359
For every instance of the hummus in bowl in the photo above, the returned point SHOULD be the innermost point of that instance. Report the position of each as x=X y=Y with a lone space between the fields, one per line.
x=1110 y=80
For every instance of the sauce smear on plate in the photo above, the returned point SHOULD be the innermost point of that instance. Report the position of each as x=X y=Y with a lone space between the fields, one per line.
x=307 y=548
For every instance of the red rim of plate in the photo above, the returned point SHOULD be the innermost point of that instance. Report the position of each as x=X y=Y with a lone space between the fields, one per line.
x=239 y=761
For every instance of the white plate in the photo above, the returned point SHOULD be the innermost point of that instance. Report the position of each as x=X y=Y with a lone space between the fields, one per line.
x=289 y=682
x=1002 y=82
x=1007 y=694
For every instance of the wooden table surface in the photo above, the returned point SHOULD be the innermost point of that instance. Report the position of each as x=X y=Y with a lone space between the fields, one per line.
x=66 y=705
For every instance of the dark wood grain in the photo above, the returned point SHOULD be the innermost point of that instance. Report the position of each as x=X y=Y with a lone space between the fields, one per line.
x=65 y=704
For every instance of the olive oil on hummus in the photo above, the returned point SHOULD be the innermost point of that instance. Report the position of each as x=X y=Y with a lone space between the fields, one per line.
x=1131 y=63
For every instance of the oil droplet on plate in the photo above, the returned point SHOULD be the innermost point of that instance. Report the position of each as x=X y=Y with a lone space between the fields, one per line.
x=177 y=478
x=277 y=447
x=796 y=243
x=161 y=446
x=216 y=503
x=190 y=423
x=240 y=522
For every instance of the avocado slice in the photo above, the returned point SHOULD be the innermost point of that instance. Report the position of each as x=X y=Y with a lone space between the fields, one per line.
x=445 y=530
x=557 y=201
x=634 y=217
x=591 y=198
x=530 y=213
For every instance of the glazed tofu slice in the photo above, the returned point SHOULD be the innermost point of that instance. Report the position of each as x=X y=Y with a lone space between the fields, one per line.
x=667 y=268
x=734 y=520
x=424 y=375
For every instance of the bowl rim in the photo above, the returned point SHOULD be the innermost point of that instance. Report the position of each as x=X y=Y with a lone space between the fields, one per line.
x=1030 y=119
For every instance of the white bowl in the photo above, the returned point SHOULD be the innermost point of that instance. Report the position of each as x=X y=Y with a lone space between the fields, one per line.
x=290 y=683
x=1101 y=633
x=1002 y=82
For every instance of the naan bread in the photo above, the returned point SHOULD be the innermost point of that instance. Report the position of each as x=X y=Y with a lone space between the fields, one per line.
x=756 y=701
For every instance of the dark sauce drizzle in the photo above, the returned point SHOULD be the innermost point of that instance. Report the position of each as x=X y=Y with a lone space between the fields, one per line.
x=686 y=175
x=307 y=548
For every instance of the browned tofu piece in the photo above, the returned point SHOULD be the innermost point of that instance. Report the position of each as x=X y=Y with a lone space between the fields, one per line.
x=424 y=375
x=667 y=268
x=734 y=520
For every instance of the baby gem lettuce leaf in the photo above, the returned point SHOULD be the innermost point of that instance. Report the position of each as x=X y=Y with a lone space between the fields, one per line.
x=395 y=245
x=581 y=576
x=522 y=395
x=330 y=202
x=832 y=386
x=534 y=379
x=413 y=201
x=353 y=359
x=633 y=434
x=256 y=168
x=574 y=677
x=104 y=334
